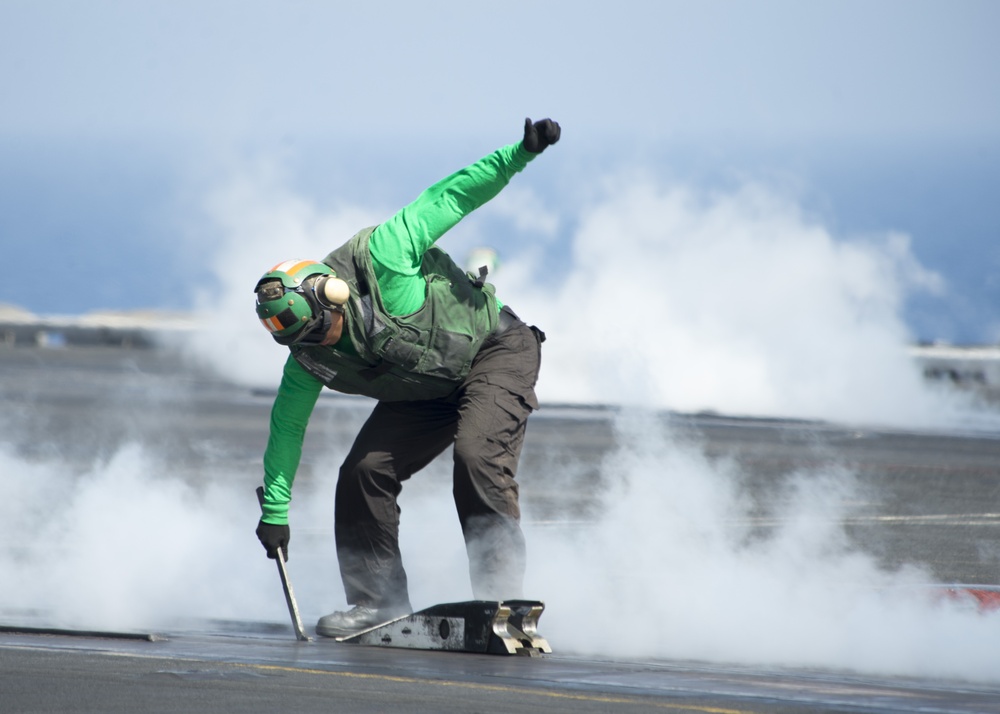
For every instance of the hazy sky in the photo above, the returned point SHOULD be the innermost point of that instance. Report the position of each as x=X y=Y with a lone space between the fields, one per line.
x=774 y=68
x=119 y=119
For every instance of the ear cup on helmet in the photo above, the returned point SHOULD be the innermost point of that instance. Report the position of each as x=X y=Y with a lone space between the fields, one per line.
x=331 y=291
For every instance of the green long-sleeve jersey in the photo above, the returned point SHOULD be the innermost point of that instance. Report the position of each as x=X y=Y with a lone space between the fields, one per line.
x=397 y=247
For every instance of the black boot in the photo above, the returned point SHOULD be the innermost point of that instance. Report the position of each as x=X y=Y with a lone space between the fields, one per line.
x=358 y=618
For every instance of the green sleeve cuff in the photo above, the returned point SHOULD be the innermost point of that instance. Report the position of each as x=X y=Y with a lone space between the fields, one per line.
x=274 y=513
x=522 y=156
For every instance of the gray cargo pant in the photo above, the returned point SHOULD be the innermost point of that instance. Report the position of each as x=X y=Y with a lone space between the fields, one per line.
x=485 y=420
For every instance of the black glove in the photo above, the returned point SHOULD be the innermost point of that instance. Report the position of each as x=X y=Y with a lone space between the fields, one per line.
x=272 y=537
x=539 y=134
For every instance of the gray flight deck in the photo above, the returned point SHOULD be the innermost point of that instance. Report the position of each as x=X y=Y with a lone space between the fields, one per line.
x=936 y=507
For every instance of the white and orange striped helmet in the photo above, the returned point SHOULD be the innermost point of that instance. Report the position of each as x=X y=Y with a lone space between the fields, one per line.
x=291 y=301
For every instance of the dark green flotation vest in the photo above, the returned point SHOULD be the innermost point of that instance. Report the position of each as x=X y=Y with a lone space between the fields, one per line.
x=423 y=355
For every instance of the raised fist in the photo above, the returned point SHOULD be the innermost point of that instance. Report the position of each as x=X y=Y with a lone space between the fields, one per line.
x=539 y=134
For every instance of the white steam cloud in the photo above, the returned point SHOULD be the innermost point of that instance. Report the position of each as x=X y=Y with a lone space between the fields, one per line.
x=127 y=543
x=673 y=569
x=735 y=302
x=122 y=544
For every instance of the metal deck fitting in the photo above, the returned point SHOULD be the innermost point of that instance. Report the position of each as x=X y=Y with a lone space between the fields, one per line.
x=509 y=627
